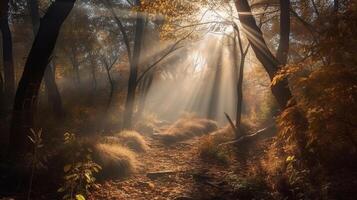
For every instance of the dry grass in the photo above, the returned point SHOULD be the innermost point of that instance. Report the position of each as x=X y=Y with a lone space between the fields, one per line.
x=209 y=150
x=131 y=139
x=116 y=161
x=186 y=128
x=148 y=124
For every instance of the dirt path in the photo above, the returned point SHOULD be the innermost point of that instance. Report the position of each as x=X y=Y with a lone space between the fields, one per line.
x=170 y=172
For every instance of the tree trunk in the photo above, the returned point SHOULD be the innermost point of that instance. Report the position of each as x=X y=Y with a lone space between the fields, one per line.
x=1 y=92
x=75 y=65
x=145 y=86
x=35 y=16
x=213 y=103
x=283 y=49
x=8 y=62
x=130 y=99
x=54 y=96
x=280 y=90
x=37 y=61
x=240 y=78
x=336 y=6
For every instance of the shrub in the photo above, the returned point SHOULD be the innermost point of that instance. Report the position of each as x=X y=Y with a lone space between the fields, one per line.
x=187 y=128
x=132 y=140
x=79 y=170
x=209 y=147
x=116 y=161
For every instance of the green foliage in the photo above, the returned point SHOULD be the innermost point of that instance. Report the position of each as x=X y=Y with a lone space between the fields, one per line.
x=79 y=172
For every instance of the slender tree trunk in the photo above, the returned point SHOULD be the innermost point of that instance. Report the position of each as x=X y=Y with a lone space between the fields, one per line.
x=110 y=81
x=92 y=67
x=54 y=96
x=280 y=90
x=283 y=49
x=336 y=5
x=37 y=61
x=75 y=65
x=146 y=84
x=35 y=16
x=93 y=71
x=130 y=99
x=1 y=92
x=213 y=104
x=8 y=62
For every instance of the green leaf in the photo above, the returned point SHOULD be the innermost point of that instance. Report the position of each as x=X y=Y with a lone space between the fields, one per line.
x=80 y=197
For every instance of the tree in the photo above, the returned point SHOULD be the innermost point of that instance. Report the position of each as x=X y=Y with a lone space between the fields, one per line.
x=36 y=63
x=240 y=72
x=271 y=64
x=54 y=96
x=8 y=62
x=283 y=49
x=132 y=85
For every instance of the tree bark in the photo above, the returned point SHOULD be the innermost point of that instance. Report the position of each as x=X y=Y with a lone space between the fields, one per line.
x=54 y=96
x=145 y=86
x=8 y=62
x=130 y=99
x=37 y=61
x=283 y=49
x=280 y=90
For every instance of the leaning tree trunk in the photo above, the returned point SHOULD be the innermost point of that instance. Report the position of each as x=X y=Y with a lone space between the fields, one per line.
x=254 y=35
x=54 y=96
x=37 y=61
x=8 y=62
x=132 y=85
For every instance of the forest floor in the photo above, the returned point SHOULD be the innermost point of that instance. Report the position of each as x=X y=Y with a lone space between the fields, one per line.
x=177 y=172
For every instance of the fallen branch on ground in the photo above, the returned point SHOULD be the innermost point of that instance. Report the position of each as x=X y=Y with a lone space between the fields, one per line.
x=263 y=133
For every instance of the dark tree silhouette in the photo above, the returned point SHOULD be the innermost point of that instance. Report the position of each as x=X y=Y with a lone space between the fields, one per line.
x=8 y=62
x=37 y=61
x=54 y=96
x=132 y=85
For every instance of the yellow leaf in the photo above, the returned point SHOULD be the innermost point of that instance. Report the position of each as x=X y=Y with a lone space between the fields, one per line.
x=290 y=158
x=80 y=197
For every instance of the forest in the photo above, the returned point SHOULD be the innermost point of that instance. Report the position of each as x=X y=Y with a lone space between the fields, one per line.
x=178 y=99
